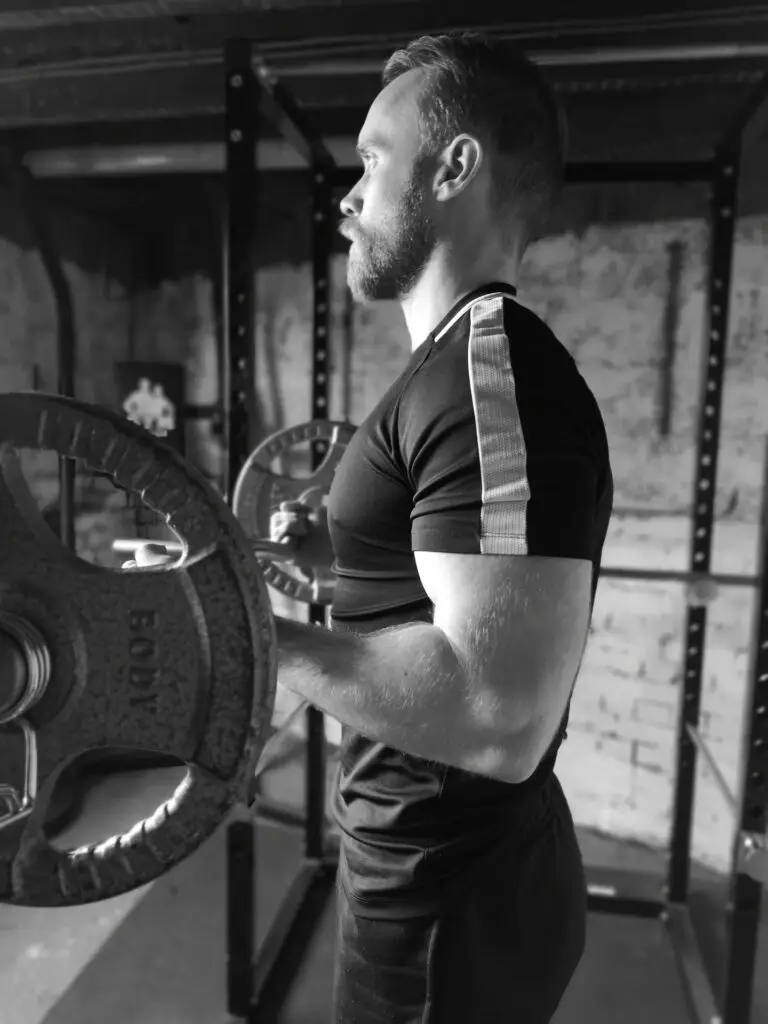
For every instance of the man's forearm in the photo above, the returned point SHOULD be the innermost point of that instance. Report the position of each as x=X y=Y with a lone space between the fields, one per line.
x=403 y=687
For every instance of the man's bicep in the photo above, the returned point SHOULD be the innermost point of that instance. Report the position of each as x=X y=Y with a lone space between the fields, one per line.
x=518 y=627
x=510 y=616
x=504 y=546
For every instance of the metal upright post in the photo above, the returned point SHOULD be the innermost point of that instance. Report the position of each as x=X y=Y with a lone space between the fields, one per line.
x=258 y=985
x=745 y=895
x=242 y=115
x=723 y=220
x=283 y=111
x=322 y=228
x=238 y=390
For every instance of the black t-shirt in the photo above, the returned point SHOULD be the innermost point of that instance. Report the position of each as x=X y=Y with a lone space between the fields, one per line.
x=489 y=442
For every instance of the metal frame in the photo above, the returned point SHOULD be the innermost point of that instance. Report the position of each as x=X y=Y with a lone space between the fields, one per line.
x=259 y=984
x=747 y=876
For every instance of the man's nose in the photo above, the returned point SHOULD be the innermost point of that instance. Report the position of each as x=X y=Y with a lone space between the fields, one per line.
x=352 y=203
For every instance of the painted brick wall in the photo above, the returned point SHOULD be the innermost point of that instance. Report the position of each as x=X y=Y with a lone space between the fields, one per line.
x=603 y=291
x=604 y=295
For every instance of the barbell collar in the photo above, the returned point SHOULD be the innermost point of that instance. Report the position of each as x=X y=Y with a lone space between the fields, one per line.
x=13 y=674
x=25 y=666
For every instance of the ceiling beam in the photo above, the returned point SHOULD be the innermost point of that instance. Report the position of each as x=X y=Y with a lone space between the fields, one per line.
x=193 y=86
x=306 y=28
x=111 y=133
x=183 y=90
x=609 y=127
x=45 y=13
x=37 y=14
x=120 y=95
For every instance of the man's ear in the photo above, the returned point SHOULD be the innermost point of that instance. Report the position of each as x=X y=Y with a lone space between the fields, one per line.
x=459 y=164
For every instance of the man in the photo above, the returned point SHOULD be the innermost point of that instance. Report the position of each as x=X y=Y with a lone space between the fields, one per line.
x=467 y=518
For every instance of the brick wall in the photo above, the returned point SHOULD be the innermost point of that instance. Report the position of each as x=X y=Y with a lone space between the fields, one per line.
x=604 y=293
x=603 y=289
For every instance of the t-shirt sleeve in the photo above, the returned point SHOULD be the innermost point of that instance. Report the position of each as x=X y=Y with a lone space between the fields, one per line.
x=507 y=465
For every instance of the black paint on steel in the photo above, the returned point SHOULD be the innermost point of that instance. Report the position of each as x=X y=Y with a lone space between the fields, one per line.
x=280 y=108
x=749 y=119
x=288 y=940
x=723 y=219
x=241 y=926
x=241 y=126
x=745 y=897
x=258 y=985
x=322 y=237
x=237 y=396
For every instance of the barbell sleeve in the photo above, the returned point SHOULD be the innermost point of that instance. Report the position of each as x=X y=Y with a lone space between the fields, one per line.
x=130 y=545
x=280 y=550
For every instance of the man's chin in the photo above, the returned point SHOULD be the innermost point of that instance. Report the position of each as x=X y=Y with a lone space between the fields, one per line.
x=367 y=287
x=359 y=288
x=363 y=295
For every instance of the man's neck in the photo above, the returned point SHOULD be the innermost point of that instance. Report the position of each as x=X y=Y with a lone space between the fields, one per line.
x=438 y=290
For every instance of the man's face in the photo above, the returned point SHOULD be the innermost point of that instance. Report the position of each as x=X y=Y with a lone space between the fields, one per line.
x=387 y=213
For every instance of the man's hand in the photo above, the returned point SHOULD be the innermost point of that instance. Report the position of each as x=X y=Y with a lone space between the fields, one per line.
x=307 y=529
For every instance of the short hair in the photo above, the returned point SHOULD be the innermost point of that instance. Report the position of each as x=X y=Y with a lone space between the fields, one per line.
x=488 y=87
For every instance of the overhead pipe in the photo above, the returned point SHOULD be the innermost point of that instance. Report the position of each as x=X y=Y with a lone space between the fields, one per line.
x=170 y=158
x=618 y=55
x=298 y=64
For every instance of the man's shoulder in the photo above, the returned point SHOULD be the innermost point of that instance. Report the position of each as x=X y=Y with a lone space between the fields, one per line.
x=500 y=315
x=504 y=353
x=501 y=332
x=527 y=330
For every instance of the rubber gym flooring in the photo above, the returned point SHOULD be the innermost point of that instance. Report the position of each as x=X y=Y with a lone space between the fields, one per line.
x=157 y=957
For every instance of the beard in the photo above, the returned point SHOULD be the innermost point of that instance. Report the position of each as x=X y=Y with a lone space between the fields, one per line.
x=385 y=263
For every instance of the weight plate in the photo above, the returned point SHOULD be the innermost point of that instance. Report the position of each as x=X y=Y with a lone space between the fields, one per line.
x=179 y=660
x=259 y=491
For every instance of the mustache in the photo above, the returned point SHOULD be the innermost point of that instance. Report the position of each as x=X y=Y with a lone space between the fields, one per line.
x=347 y=229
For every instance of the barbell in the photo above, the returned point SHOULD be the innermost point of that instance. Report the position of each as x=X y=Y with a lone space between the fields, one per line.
x=179 y=659
x=260 y=494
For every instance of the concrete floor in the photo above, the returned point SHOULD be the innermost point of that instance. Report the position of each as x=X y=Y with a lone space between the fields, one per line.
x=157 y=956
